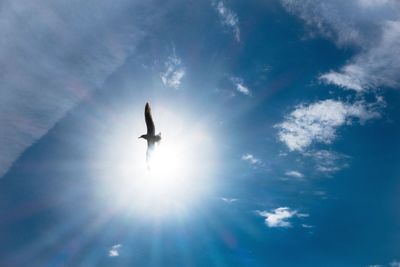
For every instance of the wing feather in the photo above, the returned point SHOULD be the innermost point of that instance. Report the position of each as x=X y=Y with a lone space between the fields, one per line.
x=149 y=120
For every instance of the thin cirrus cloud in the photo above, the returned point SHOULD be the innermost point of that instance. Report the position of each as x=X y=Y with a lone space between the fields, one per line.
x=228 y=18
x=174 y=72
x=371 y=26
x=240 y=86
x=393 y=263
x=53 y=59
x=294 y=174
x=114 y=250
x=251 y=159
x=326 y=161
x=228 y=200
x=318 y=122
x=280 y=217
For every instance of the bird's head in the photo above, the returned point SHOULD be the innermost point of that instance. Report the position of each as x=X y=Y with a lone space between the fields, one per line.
x=143 y=136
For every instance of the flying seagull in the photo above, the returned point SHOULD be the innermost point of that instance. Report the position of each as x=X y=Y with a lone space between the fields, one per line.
x=150 y=136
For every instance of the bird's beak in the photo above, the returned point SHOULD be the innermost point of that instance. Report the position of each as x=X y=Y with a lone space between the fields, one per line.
x=139 y=137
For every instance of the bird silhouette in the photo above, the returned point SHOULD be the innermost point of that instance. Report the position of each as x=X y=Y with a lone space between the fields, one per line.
x=150 y=136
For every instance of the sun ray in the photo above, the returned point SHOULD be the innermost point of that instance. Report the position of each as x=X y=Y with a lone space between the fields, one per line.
x=178 y=173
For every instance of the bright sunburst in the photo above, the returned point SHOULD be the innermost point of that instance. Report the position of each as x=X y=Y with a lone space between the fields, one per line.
x=179 y=170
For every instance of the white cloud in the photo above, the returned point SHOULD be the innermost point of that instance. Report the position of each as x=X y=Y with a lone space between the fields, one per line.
x=251 y=159
x=318 y=122
x=240 y=86
x=326 y=161
x=228 y=18
x=174 y=72
x=228 y=200
x=350 y=77
x=53 y=62
x=371 y=26
x=321 y=194
x=395 y=263
x=302 y=215
x=243 y=89
x=114 y=250
x=294 y=174
x=279 y=217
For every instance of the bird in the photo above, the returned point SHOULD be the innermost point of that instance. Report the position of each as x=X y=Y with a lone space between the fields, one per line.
x=150 y=136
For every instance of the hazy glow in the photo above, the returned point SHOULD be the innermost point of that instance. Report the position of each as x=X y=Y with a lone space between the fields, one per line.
x=181 y=165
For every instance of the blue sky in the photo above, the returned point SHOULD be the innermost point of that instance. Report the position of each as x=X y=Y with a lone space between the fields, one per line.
x=280 y=124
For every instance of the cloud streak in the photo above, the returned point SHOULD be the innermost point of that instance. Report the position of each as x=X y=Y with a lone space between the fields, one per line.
x=240 y=86
x=327 y=162
x=294 y=174
x=228 y=200
x=228 y=18
x=52 y=60
x=251 y=159
x=371 y=26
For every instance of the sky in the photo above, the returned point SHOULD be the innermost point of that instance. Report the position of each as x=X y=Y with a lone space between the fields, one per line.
x=280 y=133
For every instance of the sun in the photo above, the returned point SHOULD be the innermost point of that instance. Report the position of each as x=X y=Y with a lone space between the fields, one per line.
x=180 y=168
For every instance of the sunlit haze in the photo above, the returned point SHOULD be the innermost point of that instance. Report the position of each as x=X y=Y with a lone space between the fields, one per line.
x=179 y=172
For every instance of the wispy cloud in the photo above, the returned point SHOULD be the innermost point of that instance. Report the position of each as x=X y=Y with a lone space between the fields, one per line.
x=114 y=250
x=174 y=72
x=280 y=217
x=251 y=159
x=318 y=122
x=326 y=161
x=321 y=194
x=228 y=200
x=395 y=263
x=50 y=64
x=372 y=26
x=243 y=89
x=294 y=174
x=302 y=215
x=349 y=77
x=228 y=18
x=240 y=86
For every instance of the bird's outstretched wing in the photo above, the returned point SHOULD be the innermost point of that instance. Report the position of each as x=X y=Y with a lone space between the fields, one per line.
x=149 y=120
